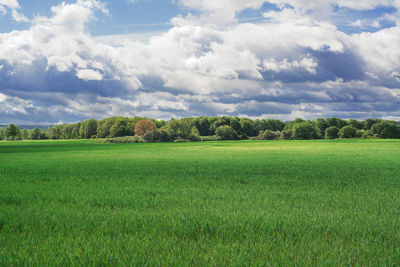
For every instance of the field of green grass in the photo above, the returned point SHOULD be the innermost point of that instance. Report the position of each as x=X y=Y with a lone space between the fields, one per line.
x=214 y=203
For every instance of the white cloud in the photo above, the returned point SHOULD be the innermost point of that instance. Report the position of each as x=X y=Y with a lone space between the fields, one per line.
x=307 y=63
x=12 y=105
x=13 y=5
x=89 y=75
x=293 y=64
x=18 y=17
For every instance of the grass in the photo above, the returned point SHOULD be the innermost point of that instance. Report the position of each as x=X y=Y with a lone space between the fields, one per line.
x=214 y=203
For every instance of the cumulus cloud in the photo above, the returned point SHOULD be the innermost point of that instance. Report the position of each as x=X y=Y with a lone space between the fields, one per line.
x=291 y=64
x=13 y=6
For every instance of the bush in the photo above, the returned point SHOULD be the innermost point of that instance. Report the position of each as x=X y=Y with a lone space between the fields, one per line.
x=271 y=135
x=367 y=134
x=226 y=132
x=208 y=138
x=347 y=132
x=332 y=132
x=148 y=137
x=120 y=140
x=160 y=135
x=287 y=134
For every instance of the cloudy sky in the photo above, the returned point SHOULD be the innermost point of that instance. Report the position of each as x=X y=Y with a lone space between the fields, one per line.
x=73 y=60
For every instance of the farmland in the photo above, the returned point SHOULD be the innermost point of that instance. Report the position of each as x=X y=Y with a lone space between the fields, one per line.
x=213 y=203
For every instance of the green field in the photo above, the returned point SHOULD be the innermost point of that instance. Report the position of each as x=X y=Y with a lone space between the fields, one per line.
x=213 y=203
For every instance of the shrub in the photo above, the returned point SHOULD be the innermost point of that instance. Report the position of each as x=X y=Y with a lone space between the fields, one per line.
x=332 y=132
x=269 y=135
x=160 y=135
x=347 y=132
x=148 y=137
x=208 y=138
x=120 y=140
x=226 y=132
x=287 y=134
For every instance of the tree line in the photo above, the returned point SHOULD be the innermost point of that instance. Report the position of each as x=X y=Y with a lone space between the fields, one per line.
x=209 y=128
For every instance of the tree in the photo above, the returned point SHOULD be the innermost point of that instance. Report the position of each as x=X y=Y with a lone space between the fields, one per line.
x=321 y=125
x=25 y=134
x=370 y=122
x=356 y=124
x=226 y=132
x=36 y=133
x=178 y=129
x=386 y=129
x=195 y=131
x=202 y=124
x=144 y=126
x=12 y=131
x=269 y=124
x=305 y=130
x=336 y=122
x=55 y=132
x=332 y=132
x=161 y=135
x=247 y=127
x=120 y=128
x=347 y=132
x=88 y=129
x=2 y=134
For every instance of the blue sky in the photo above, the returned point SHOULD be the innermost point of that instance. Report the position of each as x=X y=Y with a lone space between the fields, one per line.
x=64 y=61
x=155 y=15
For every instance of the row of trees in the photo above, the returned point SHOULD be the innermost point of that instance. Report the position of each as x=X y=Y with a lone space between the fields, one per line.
x=223 y=128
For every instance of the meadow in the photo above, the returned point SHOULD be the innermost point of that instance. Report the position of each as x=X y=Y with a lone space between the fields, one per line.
x=203 y=204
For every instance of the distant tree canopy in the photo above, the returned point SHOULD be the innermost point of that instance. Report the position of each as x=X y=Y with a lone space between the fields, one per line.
x=226 y=132
x=210 y=128
x=332 y=132
x=12 y=132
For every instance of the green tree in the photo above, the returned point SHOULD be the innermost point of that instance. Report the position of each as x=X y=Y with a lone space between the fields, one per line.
x=226 y=132
x=194 y=131
x=202 y=124
x=12 y=131
x=25 y=134
x=336 y=122
x=332 y=132
x=305 y=130
x=178 y=129
x=88 y=129
x=370 y=122
x=321 y=125
x=386 y=130
x=247 y=128
x=356 y=124
x=2 y=134
x=347 y=132
x=120 y=128
x=269 y=124
x=36 y=133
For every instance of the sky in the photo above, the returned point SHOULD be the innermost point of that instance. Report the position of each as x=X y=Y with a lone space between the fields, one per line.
x=67 y=61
